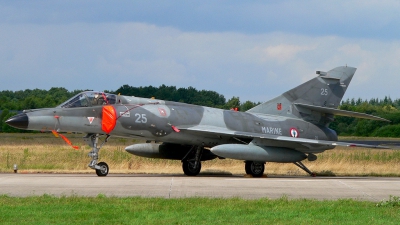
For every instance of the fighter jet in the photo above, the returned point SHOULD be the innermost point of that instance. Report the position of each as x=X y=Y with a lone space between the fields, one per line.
x=287 y=129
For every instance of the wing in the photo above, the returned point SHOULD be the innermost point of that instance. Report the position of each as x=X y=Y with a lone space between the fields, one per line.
x=301 y=144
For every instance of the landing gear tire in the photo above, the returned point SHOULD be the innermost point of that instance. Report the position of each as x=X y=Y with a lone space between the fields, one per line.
x=190 y=169
x=256 y=169
x=103 y=171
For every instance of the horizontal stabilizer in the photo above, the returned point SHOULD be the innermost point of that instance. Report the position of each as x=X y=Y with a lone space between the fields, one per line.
x=339 y=112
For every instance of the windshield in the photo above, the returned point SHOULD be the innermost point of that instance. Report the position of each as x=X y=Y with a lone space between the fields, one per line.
x=89 y=98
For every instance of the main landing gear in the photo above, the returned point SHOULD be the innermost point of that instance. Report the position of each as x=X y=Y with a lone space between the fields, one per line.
x=256 y=169
x=101 y=167
x=191 y=163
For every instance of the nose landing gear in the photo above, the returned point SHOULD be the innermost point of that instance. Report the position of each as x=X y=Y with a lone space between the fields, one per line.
x=101 y=167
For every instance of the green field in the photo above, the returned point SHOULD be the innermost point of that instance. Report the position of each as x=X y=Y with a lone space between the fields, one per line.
x=135 y=210
x=44 y=153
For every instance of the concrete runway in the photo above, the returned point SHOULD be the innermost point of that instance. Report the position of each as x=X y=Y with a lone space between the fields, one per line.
x=178 y=186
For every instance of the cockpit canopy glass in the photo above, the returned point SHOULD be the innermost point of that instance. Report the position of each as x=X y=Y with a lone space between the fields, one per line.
x=89 y=98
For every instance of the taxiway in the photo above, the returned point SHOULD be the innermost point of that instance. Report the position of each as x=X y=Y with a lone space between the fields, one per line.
x=179 y=186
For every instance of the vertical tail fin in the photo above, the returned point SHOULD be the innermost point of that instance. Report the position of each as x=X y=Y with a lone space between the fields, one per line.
x=326 y=90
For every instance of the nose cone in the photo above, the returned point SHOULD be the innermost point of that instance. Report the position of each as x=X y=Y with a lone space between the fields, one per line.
x=20 y=121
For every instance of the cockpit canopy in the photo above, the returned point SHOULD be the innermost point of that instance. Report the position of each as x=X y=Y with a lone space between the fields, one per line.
x=89 y=98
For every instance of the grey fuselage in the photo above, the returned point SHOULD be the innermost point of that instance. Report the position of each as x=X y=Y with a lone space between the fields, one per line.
x=155 y=121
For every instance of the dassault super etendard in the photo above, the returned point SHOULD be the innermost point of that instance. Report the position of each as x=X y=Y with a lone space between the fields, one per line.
x=287 y=129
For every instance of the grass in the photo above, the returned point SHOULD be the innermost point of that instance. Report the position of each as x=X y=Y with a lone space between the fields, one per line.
x=45 y=153
x=136 y=210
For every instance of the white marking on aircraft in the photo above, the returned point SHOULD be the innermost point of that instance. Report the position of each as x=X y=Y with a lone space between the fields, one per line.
x=271 y=130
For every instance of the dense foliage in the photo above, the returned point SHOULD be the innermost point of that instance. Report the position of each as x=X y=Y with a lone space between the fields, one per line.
x=385 y=108
x=13 y=101
x=33 y=99
x=188 y=95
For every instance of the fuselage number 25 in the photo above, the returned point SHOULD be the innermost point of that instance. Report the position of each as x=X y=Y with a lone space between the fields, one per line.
x=324 y=91
x=140 y=118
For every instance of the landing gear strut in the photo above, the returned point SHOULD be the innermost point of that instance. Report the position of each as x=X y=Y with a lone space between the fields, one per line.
x=303 y=167
x=101 y=167
x=192 y=167
x=256 y=169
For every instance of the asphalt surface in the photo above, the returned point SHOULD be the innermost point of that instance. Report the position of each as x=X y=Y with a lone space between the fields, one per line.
x=178 y=186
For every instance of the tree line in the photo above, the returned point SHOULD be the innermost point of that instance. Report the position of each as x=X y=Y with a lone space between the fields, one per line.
x=12 y=102
x=385 y=108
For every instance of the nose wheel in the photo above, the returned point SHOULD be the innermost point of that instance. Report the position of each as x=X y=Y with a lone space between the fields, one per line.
x=103 y=169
